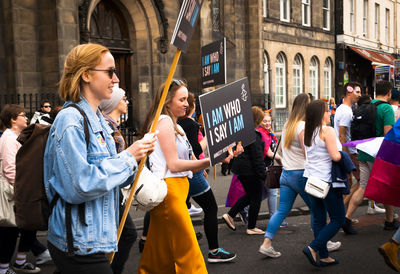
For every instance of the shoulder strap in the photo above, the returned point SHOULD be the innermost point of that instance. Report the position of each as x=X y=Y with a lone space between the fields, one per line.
x=273 y=158
x=377 y=103
x=68 y=206
x=86 y=127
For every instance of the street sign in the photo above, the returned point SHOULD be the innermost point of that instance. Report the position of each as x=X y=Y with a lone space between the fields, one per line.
x=190 y=11
x=227 y=118
x=213 y=64
x=382 y=73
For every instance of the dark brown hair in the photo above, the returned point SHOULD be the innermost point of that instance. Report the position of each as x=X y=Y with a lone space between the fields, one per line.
x=314 y=114
x=10 y=111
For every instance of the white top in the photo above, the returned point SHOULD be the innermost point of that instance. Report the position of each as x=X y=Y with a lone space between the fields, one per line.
x=318 y=160
x=157 y=160
x=343 y=117
x=293 y=157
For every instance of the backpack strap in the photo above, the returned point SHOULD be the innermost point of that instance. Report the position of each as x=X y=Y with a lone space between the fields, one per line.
x=85 y=124
x=68 y=206
x=377 y=103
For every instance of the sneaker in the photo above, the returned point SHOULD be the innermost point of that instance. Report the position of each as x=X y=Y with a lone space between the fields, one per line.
x=195 y=210
x=389 y=251
x=375 y=210
x=284 y=224
x=333 y=246
x=269 y=252
x=243 y=216
x=354 y=221
x=10 y=271
x=348 y=227
x=220 y=256
x=26 y=268
x=43 y=258
x=391 y=225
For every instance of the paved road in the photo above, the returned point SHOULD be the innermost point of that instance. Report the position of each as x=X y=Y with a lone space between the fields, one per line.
x=358 y=253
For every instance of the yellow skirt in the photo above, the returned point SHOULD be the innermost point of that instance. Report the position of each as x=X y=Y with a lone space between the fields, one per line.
x=171 y=244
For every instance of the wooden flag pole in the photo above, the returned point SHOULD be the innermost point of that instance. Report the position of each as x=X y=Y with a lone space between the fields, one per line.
x=152 y=130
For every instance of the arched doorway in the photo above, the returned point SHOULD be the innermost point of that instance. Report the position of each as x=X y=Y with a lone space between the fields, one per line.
x=109 y=28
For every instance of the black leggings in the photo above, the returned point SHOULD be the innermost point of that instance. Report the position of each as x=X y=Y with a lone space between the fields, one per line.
x=207 y=202
x=253 y=187
x=27 y=241
x=88 y=264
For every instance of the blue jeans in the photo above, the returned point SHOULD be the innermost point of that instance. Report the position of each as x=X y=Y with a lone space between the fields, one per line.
x=272 y=200
x=292 y=183
x=396 y=235
x=332 y=204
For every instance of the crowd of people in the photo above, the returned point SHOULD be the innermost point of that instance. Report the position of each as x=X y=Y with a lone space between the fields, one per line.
x=87 y=164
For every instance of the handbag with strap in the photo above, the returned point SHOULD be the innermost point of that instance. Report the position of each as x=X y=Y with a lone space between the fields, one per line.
x=273 y=172
x=150 y=190
x=7 y=215
x=316 y=187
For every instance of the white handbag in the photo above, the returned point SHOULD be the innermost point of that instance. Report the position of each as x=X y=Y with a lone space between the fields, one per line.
x=7 y=215
x=150 y=191
x=316 y=187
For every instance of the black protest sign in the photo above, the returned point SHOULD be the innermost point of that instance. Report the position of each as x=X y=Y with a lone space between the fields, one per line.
x=190 y=11
x=227 y=118
x=213 y=64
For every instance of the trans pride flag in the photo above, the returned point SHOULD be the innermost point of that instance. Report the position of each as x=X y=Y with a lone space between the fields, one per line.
x=384 y=182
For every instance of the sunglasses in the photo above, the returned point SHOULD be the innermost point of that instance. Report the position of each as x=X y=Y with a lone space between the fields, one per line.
x=46 y=106
x=110 y=71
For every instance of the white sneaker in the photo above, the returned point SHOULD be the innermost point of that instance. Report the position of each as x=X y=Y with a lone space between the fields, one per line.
x=332 y=246
x=269 y=252
x=195 y=210
x=43 y=257
x=375 y=210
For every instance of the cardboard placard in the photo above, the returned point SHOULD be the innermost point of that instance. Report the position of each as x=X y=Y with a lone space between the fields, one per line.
x=184 y=28
x=213 y=64
x=227 y=118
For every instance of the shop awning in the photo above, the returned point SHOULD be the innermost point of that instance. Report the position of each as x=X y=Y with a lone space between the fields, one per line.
x=377 y=58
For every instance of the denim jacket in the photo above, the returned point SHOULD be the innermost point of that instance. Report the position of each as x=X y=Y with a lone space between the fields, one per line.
x=90 y=175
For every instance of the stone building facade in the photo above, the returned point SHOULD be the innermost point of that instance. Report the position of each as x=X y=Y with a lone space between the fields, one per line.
x=298 y=47
x=276 y=53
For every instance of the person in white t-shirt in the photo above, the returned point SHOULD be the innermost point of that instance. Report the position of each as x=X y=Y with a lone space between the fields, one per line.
x=342 y=122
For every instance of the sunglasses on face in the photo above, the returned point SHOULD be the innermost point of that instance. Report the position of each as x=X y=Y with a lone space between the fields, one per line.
x=110 y=71
x=47 y=106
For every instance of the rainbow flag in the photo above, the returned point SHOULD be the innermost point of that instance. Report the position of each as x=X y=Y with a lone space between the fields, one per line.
x=384 y=181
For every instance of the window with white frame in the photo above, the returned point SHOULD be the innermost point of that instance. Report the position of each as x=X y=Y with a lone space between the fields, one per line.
x=351 y=17
x=314 y=77
x=280 y=81
x=328 y=78
x=365 y=16
x=306 y=12
x=326 y=15
x=297 y=75
x=387 y=25
x=266 y=74
x=264 y=8
x=377 y=21
x=285 y=10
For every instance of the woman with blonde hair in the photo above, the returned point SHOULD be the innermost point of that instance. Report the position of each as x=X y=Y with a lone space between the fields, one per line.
x=292 y=181
x=82 y=167
x=171 y=244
